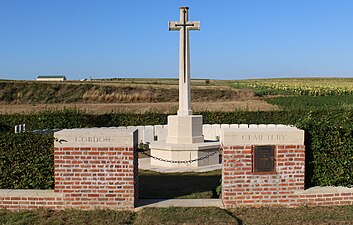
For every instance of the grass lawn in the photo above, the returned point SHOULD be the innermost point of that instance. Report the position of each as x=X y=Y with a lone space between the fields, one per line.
x=178 y=185
x=51 y=217
x=301 y=215
x=180 y=215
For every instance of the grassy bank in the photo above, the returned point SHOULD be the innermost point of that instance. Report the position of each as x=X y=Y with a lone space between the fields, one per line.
x=179 y=215
x=33 y=92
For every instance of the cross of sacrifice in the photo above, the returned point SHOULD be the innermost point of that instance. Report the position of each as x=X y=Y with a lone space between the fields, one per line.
x=184 y=25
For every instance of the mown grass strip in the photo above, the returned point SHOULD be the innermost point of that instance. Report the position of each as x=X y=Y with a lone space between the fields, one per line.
x=301 y=215
x=65 y=217
x=184 y=215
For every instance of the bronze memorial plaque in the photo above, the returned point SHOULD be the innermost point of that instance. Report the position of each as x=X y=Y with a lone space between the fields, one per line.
x=264 y=159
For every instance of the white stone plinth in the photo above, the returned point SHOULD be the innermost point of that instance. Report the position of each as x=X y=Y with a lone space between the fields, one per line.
x=181 y=152
x=184 y=129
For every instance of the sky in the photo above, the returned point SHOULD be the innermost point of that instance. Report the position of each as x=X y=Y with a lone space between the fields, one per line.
x=239 y=39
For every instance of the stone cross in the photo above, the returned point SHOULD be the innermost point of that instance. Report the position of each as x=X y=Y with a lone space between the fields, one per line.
x=184 y=25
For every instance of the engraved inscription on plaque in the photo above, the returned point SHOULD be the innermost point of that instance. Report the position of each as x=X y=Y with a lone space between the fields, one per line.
x=92 y=139
x=263 y=159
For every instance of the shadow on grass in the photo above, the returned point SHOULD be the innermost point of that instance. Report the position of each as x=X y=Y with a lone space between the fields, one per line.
x=183 y=215
x=154 y=185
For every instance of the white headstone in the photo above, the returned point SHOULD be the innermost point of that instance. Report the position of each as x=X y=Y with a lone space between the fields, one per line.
x=208 y=132
x=141 y=130
x=217 y=129
x=161 y=132
x=148 y=134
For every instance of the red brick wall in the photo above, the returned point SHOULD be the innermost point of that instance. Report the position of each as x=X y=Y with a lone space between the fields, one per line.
x=31 y=199
x=85 y=178
x=324 y=199
x=241 y=187
x=97 y=177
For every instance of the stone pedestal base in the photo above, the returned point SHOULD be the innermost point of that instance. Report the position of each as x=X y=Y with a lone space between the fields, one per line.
x=184 y=129
x=181 y=152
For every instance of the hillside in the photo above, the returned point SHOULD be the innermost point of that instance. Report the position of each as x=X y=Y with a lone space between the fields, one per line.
x=33 y=92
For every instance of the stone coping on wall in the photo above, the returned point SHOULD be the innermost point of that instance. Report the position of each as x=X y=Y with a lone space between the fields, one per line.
x=325 y=190
x=262 y=135
x=95 y=137
x=30 y=193
x=150 y=133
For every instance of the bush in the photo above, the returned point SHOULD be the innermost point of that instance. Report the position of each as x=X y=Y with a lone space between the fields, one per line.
x=26 y=161
x=329 y=148
x=48 y=120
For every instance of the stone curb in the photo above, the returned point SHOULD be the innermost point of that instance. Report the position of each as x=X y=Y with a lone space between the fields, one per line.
x=164 y=203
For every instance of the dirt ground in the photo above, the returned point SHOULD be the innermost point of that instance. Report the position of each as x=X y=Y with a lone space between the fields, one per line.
x=163 y=107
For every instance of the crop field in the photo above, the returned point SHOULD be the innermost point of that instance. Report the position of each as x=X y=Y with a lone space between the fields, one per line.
x=311 y=102
x=299 y=86
x=302 y=93
x=161 y=95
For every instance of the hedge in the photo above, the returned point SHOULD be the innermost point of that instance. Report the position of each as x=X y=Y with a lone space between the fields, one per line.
x=329 y=148
x=329 y=141
x=76 y=119
x=47 y=120
x=26 y=161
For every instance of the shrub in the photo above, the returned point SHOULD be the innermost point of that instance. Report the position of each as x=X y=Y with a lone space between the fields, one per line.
x=329 y=148
x=26 y=161
x=48 y=120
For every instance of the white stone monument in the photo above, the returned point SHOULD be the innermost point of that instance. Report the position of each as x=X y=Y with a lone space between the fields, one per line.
x=184 y=142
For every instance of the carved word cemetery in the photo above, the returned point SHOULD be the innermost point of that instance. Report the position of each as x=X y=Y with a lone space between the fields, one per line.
x=98 y=167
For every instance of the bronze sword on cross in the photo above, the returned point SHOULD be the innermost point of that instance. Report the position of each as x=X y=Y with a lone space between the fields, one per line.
x=184 y=26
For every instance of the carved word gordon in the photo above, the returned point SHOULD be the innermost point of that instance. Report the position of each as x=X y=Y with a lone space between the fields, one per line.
x=92 y=139
x=263 y=137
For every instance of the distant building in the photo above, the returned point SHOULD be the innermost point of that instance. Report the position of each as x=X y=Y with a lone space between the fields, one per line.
x=51 y=78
